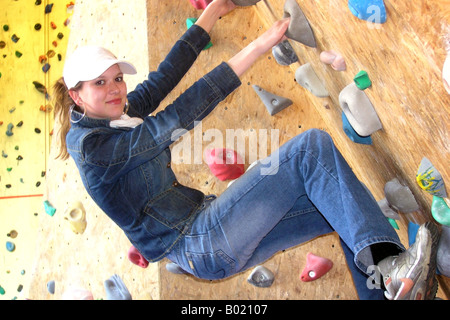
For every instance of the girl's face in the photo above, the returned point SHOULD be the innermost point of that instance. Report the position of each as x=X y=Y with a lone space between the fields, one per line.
x=103 y=97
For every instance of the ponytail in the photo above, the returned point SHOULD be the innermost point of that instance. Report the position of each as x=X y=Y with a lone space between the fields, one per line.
x=62 y=103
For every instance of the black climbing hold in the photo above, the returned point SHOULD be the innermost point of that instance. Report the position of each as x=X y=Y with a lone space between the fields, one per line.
x=38 y=2
x=19 y=158
x=40 y=87
x=37 y=130
x=60 y=35
x=48 y=8
x=19 y=124
x=15 y=38
x=284 y=53
x=37 y=26
x=38 y=184
x=8 y=186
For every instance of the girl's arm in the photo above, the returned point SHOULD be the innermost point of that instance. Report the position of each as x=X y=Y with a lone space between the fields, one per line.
x=243 y=60
x=213 y=12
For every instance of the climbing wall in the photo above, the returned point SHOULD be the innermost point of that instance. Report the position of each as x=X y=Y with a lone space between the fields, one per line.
x=56 y=254
x=403 y=58
x=143 y=31
x=31 y=42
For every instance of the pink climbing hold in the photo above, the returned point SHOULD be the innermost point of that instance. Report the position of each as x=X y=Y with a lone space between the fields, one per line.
x=137 y=258
x=225 y=164
x=200 y=4
x=315 y=268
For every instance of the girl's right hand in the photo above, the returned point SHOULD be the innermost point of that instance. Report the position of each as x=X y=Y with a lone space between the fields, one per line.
x=273 y=36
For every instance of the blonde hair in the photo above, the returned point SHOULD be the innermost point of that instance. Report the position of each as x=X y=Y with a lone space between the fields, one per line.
x=62 y=102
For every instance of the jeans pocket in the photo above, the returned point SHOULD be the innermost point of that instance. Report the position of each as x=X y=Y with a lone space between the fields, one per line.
x=211 y=266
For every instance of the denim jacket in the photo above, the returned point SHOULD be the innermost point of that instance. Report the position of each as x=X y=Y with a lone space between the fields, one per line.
x=127 y=171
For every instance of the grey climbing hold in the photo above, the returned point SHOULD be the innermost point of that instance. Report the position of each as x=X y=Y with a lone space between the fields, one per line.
x=299 y=28
x=443 y=252
x=116 y=289
x=245 y=3
x=400 y=197
x=387 y=210
x=284 y=53
x=359 y=110
x=273 y=103
x=51 y=286
x=261 y=277
x=174 y=268
x=307 y=78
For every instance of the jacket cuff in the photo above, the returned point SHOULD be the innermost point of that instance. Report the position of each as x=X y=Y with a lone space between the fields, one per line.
x=196 y=37
x=223 y=80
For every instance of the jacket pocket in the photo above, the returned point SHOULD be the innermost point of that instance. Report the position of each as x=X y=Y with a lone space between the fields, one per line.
x=171 y=208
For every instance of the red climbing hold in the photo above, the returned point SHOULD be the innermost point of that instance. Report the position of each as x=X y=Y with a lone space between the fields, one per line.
x=137 y=258
x=225 y=164
x=315 y=268
x=200 y=4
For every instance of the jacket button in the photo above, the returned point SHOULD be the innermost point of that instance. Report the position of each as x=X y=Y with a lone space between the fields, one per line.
x=175 y=184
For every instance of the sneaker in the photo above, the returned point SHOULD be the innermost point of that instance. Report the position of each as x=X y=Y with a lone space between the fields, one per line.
x=411 y=275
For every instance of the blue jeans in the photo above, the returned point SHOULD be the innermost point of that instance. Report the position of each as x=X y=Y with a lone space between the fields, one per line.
x=311 y=191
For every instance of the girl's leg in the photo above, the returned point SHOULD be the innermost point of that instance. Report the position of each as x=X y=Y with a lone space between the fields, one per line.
x=306 y=171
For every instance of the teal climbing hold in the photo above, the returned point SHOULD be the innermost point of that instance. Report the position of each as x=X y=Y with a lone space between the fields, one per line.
x=9 y=132
x=352 y=134
x=440 y=211
x=49 y=209
x=189 y=23
x=369 y=10
x=362 y=80
x=10 y=246
x=2 y=291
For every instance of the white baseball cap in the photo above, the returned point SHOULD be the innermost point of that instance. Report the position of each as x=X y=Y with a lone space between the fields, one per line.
x=90 y=62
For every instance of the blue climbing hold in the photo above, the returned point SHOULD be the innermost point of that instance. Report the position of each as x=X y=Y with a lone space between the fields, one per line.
x=369 y=10
x=351 y=133
x=412 y=232
x=10 y=246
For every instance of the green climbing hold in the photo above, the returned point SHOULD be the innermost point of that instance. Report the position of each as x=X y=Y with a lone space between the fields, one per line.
x=5 y=27
x=189 y=23
x=393 y=223
x=440 y=211
x=18 y=54
x=362 y=80
x=2 y=291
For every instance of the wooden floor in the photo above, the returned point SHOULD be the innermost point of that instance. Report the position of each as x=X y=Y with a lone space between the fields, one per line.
x=403 y=58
